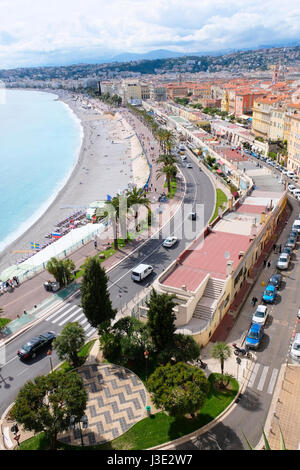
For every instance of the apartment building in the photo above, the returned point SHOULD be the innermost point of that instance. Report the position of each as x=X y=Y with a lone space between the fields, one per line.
x=277 y=119
x=293 y=160
x=130 y=91
x=158 y=93
x=176 y=90
x=262 y=115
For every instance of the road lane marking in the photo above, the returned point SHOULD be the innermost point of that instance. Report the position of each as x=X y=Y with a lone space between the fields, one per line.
x=260 y=386
x=64 y=314
x=70 y=316
x=272 y=381
x=253 y=375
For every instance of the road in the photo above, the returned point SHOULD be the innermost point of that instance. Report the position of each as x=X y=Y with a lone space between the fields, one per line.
x=199 y=191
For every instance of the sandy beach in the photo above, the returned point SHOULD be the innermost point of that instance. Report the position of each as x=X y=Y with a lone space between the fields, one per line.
x=110 y=159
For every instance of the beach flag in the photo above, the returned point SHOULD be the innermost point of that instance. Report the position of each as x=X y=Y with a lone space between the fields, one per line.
x=108 y=197
x=56 y=235
x=35 y=246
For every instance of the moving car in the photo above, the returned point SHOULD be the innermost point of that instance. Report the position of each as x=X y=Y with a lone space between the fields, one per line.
x=189 y=165
x=141 y=271
x=170 y=241
x=283 y=261
x=260 y=315
x=254 y=336
x=35 y=345
x=269 y=294
x=276 y=280
x=295 y=349
x=192 y=216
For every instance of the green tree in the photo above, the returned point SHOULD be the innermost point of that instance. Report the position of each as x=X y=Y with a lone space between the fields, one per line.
x=48 y=402
x=178 y=388
x=169 y=172
x=62 y=270
x=135 y=199
x=95 y=299
x=161 y=319
x=221 y=351
x=166 y=159
x=69 y=343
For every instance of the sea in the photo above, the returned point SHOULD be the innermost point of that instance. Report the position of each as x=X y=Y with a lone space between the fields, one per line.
x=40 y=140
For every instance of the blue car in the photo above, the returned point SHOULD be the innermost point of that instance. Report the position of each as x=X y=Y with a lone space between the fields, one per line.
x=254 y=336
x=269 y=294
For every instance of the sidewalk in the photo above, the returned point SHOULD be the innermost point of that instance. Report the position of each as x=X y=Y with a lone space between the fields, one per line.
x=31 y=293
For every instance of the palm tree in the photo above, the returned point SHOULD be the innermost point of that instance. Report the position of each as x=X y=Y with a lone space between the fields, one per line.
x=170 y=172
x=135 y=197
x=61 y=270
x=166 y=159
x=221 y=351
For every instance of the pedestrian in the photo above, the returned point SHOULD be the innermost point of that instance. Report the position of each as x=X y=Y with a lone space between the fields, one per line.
x=265 y=263
x=280 y=248
x=274 y=248
x=25 y=313
x=269 y=264
x=95 y=244
x=254 y=300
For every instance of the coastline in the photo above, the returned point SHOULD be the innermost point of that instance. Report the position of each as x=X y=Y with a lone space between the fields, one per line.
x=86 y=181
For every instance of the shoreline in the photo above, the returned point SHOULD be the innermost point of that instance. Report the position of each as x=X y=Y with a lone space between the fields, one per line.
x=80 y=186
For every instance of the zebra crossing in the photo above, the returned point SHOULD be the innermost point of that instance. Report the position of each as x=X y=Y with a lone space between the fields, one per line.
x=71 y=314
x=261 y=378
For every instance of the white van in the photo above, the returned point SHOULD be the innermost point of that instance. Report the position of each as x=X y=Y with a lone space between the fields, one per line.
x=181 y=147
x=141 y=271
x=295 y=349
x=296 y=225
x=183 y=157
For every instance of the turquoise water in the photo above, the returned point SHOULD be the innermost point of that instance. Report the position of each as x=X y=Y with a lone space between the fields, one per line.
x=40 y=138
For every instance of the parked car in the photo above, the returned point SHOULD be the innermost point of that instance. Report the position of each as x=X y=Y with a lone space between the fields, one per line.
x=291 y=242
x=296 y=193
x=189 y=165
x=296 y=225
x=288 y=250
x=169 y=242
x=276 y=280
x=260 y=315
x=269 y=294
x=254 y=336
x=291 y=187
x=283 y=261
x=284 y=172
x=295 y=349
x=35 y=345
x=293 y=234
x=298 y=314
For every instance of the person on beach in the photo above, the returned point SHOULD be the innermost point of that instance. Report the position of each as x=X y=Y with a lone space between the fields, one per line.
x=95 y=244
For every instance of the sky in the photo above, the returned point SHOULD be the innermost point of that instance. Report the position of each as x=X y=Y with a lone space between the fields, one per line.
x=36 y=32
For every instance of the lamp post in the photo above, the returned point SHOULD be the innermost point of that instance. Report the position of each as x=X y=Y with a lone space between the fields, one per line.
x=49 y=353
x=146 y=356
x=84 y=421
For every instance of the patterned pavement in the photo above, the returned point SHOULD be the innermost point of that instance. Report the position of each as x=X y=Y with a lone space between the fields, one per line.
x=116 y=401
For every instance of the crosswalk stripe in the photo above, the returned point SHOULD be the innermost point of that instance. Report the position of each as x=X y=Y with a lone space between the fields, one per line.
x=57 y=312
x=64 y=314
x=91 y=332
x=82 y=322
x=272 y=381
x=87 y=327
x=70 y=316
x=79 y=316
x=260 y=386
x=253 y=375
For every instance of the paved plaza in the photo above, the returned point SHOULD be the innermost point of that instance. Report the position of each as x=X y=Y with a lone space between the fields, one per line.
x=116 y=401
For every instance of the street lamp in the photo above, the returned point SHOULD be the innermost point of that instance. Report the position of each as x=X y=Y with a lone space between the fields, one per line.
x=84 y=421
x=146 y=356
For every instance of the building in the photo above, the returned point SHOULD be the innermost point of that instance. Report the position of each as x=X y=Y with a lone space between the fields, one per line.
x=293 y=160
x=131 y=91
x=261 y=118
x=158 y=93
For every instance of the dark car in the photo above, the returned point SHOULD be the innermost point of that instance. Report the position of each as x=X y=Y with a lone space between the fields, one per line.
x=35 y=345
x=293 y=234
x=288 y=250
x=276 y=280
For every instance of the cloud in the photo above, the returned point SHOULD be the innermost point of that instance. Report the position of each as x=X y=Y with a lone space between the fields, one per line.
x=37 y=30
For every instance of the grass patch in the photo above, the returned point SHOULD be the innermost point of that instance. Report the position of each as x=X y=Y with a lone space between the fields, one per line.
x=173 y=186
x=221 y=199
x=160 y=427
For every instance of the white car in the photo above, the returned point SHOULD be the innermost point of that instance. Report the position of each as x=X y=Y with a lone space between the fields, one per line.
x=295 y=349
x=296 y=192
x=260 y=315
x=189 y=165
x=284 y=172
x=291 y=187
x=283 y=261
x=170 y=241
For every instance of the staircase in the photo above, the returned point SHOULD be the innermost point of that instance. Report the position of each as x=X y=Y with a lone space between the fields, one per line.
x=208 y=302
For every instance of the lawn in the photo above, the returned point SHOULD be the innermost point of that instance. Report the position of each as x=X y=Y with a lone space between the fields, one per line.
x=157 y=428
x=220 y=201
x=173 y=185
